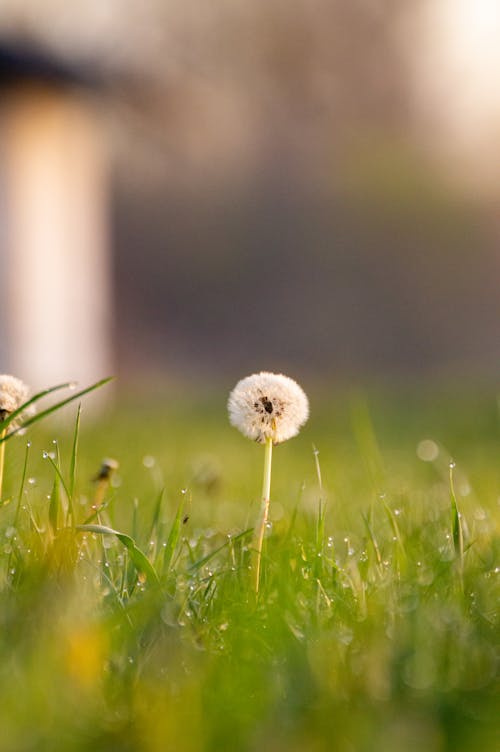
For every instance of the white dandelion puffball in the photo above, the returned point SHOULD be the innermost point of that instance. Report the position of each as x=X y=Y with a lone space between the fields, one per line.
x=13 y=393
x=268 y=405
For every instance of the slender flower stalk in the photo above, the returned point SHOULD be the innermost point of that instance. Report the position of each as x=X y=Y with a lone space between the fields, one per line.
x=2 y=459
x=268 y=408
x=264 y=512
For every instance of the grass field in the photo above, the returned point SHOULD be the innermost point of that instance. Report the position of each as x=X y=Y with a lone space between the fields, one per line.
x=375 y=627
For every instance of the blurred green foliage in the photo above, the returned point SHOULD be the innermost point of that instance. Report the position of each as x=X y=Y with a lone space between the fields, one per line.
x=371 y=634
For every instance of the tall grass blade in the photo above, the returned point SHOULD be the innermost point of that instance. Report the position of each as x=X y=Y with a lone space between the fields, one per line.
x=137 y=557
x=53 y=408
x=74 y=452
x=54 y=505
x=456 y=523
x=173 y=537
x=38 y=396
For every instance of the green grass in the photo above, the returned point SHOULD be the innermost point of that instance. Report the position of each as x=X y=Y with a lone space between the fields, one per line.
x=374 y=628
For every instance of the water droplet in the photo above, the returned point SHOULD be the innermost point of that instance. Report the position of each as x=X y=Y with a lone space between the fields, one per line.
x=148 y=461
x=31 y=481
x=73 y=385
x=452 y=464
x=54 y=441
x=397 y=512
x=28 y=444
x=184 y=490
x=427 y=450
x=45 y=455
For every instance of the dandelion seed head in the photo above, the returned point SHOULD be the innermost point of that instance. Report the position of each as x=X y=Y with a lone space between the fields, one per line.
x=268 y=405
x=13 y=394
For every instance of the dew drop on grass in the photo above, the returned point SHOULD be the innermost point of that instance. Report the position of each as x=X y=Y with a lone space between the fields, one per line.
x=148 y=461
x=31 y=481
x=28 y=444
x=45 y=455
x=73 y=385
x=452 y=464
x=397 y=512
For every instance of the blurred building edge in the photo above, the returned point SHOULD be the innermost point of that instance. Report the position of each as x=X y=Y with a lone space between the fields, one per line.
x=55 y=305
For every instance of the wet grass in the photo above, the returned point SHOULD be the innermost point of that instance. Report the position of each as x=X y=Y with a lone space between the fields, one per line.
x=127 y=612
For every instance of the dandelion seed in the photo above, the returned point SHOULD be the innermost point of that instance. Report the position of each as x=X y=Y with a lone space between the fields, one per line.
x=13 y=394
x=268 y=405
x=268 y=408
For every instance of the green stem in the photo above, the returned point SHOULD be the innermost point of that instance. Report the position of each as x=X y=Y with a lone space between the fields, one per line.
x=2 y=459
x=264 y=509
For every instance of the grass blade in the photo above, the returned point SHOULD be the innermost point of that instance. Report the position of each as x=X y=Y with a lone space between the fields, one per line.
x=201 y=562
x=32 y=400
x=173 y=536
x=456 y=524
x=137 y=557
x=53 y=408
x=74 y=451
x=54 y=504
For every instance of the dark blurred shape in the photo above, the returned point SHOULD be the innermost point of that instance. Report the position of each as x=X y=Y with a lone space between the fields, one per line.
x=21 y=61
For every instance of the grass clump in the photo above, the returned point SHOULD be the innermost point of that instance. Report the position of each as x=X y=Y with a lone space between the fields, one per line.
x=132 y=623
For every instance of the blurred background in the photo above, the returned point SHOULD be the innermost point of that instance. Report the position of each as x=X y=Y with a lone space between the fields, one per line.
x=192 y=191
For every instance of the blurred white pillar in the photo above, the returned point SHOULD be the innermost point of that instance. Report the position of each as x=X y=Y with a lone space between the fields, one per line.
x=55 y=322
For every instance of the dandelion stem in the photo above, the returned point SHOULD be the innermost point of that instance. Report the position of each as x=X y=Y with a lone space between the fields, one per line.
x=2 y=458
x=264 y=509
